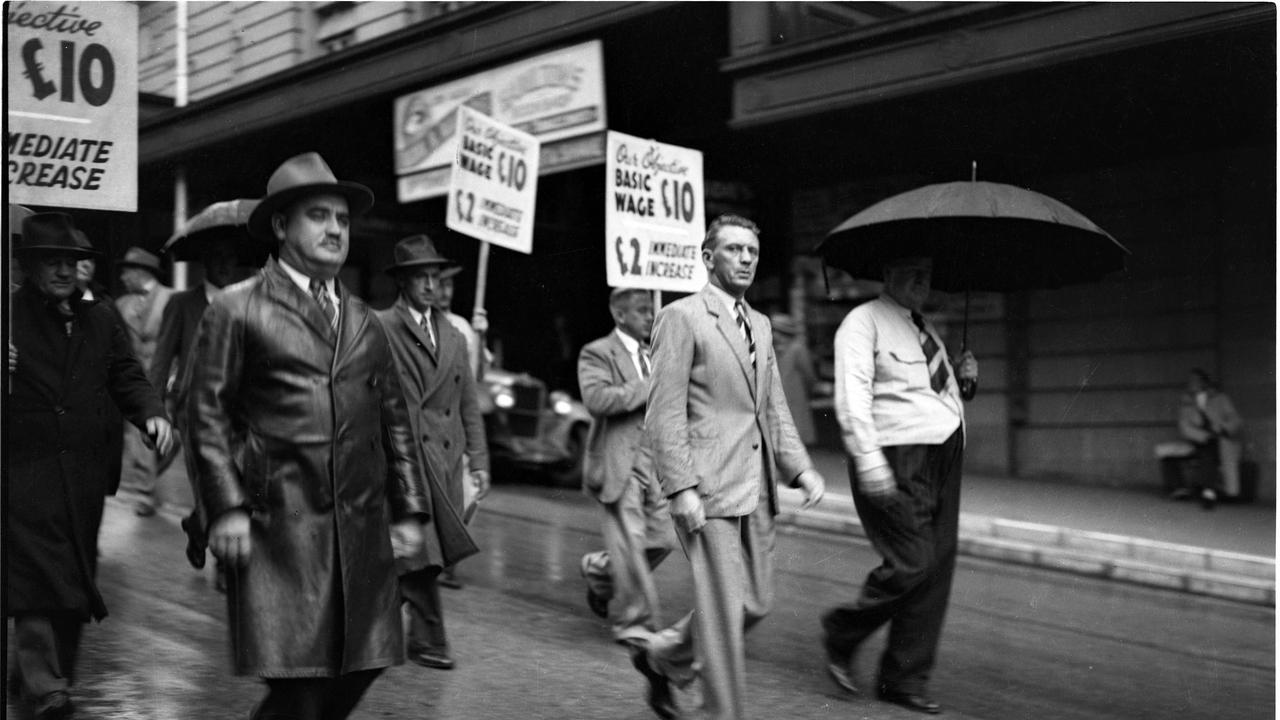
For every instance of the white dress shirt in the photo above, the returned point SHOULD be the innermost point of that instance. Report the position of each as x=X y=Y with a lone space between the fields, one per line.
x=304 y=281
x=431 y=327
x=633 y=351
x=883 y=396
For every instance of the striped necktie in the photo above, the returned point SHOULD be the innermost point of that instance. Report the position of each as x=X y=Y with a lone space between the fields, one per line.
x=643 y=354
x=321 y=294
x=745 y=328
x=932 y=355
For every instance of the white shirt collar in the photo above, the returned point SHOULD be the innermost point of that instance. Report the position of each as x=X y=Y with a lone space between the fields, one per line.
x=210 y=291
x=631 y=344
x=728 y=300
x=304 y=281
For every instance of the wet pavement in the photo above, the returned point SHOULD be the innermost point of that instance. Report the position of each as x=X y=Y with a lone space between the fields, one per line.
x=1020 y=642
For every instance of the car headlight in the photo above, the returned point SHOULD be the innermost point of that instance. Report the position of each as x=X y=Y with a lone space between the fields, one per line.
x=505 y=399
x=561 y=403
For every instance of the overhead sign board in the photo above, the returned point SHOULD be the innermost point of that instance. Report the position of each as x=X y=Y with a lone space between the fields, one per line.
x=556 y=96
x=654 y=216
x=72 y=102
x=494 y=183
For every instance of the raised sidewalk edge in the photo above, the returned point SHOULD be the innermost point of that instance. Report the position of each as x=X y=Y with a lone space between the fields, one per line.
x=1202 y=571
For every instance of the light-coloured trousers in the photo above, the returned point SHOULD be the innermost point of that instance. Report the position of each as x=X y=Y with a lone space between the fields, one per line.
x=732 y=563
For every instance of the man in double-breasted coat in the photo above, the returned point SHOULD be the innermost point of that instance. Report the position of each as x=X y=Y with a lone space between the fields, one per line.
x=68 y=360
x=304 y=459
x=439 y=388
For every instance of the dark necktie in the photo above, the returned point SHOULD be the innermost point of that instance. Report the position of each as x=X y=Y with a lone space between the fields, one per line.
x=321 y=295
x=745 y=328
x=932 y=355
x=426 y=328
x=643 y=354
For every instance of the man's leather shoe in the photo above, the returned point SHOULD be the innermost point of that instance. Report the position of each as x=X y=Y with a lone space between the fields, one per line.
x=598 y=604
x=449 y=580
x=911 y=701
x=432 y=658
x=55 y=706
x=660 y=697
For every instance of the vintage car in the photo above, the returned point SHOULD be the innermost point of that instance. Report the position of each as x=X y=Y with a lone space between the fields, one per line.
x=532 y=432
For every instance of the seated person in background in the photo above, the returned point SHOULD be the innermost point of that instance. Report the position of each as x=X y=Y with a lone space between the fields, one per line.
x=1208 y=420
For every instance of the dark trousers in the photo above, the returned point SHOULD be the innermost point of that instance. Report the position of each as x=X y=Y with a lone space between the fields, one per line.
x=314 y=698
x=44 y=657
x=421 y=591
x=915 y=532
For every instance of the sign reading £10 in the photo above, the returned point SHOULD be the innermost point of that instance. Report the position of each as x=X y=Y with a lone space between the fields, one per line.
x=654 y=221
x=494 y=185
x=72 y=104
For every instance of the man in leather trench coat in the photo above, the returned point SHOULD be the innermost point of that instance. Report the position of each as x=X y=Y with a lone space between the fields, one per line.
x=304 y=458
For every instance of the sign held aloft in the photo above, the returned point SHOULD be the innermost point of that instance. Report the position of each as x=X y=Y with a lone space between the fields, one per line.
x=654 y=216
x=494 y=184
x=72 y=104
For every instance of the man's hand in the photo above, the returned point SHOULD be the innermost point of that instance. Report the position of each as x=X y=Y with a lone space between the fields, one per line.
x=229 y=538
x=814 y=487
x=968 y=369
x=687 y=510
x=480 y=479
x=159 y=435
x=13 y=357
x=480 y=321
x=406 y=538
x=877 y=482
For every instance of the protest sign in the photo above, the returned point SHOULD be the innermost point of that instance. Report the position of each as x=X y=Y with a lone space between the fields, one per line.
x=654 y=217
x=72 y=76
x=494 y=184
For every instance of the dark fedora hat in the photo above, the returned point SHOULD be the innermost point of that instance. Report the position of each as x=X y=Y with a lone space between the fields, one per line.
x=417 y=251
x=139 y=258
x=51 y=232
x=298 y=177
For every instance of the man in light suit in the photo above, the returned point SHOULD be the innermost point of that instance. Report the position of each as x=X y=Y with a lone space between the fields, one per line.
x=613 y=374
x=142 y=308
x=722 y=437
x=439 y=389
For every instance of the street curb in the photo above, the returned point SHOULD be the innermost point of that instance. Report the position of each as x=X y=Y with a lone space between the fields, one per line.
x=1184 y=568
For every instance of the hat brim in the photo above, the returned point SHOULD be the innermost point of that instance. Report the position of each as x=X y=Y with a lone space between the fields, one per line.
x=121 y=264
x=448 y=268
x=359 y=200
x=78 y=252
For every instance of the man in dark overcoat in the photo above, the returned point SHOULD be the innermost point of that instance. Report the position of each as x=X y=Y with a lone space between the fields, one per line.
x=68 y=359
x=439 y=387
x=304 y=459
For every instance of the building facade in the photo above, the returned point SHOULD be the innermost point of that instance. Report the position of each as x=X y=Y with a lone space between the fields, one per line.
x=1155 y=120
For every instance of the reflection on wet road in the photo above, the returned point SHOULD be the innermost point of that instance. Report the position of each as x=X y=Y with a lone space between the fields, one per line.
x=1019 y=643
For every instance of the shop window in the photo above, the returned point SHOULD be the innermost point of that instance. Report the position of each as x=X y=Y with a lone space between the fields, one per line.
x=335 y=26
x=339 y=42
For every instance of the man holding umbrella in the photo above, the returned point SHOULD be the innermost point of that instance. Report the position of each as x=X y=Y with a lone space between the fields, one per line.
x=901 y=412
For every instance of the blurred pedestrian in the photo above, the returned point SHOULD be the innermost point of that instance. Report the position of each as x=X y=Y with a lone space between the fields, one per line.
x=901 y=415
x=795 y=366
x=1209 y=421
x=68 y=359
x=635 y=523
x=142 y=307
x=304 y=457
x=722 y=437
x=218 y=257
x=478 y=359
x=439 y=390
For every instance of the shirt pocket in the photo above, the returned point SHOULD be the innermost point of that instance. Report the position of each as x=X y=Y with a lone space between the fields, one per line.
x=906 y=367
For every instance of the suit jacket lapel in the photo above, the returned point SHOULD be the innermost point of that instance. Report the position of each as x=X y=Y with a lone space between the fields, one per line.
x=763 y=346
x=352 y=318
x=622 y=359
x=728 y=327
x=415 y=329
x=282 y=289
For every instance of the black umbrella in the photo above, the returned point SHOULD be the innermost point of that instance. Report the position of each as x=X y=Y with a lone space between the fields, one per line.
x=982 y=236
x=228 y=219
